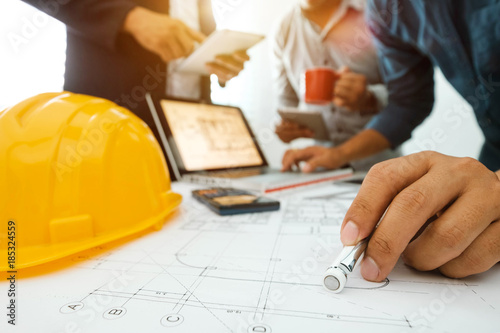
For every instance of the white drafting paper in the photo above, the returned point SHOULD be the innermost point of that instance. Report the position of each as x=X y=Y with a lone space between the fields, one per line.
x=249 y=273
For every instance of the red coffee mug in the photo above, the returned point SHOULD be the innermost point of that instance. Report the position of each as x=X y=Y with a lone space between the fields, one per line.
x=319 y=84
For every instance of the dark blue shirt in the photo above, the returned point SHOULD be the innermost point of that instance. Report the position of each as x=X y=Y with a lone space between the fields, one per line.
x=462 y=38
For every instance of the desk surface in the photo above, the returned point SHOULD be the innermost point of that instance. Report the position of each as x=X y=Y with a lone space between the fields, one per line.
x=248 y=273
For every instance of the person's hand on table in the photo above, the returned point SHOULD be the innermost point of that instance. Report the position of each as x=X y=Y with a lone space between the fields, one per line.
x=228 y=66
x=460 y=195
x=315 y=157
x=288 y=131
x=351 y=91
x=159 y=33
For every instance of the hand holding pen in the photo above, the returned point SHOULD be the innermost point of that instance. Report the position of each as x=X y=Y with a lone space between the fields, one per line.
x=462 y=195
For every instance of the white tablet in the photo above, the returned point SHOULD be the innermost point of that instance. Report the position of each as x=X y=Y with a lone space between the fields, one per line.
x=219 y=42
x=311 y=119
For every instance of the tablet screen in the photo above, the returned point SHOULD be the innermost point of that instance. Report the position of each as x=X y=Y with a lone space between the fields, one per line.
x=210 y=137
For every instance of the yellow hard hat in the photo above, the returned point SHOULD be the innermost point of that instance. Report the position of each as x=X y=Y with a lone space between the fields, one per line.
x=75 y=172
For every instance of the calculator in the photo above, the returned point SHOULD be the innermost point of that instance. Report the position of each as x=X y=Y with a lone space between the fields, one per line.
x=230 y=201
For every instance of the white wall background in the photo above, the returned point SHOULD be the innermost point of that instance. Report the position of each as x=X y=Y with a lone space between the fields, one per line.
x=32 y=53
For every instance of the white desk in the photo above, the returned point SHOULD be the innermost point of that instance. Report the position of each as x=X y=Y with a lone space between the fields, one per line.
x=248 y=273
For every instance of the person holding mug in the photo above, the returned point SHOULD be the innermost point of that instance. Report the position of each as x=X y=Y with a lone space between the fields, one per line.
x=329 y=36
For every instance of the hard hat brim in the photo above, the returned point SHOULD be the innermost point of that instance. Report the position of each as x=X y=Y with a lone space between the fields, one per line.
x=37 y=255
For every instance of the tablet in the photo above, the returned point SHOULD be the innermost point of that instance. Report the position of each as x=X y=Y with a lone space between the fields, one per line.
x=219 y=42
x=311 y=119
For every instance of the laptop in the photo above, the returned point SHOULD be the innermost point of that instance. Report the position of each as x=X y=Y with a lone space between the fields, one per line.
x=214 y=145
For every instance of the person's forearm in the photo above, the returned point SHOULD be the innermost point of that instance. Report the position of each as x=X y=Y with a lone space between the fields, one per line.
x=498 y=174
x=364 y=144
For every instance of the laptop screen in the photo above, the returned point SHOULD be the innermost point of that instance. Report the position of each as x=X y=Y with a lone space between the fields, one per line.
x=209 y=137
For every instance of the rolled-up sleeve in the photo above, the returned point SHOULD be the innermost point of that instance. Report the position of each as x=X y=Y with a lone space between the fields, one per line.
x=381 y=95
x=100 y=21
x=408 y=74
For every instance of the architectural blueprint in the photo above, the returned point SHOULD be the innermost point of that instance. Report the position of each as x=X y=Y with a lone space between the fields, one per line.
x=248 y=273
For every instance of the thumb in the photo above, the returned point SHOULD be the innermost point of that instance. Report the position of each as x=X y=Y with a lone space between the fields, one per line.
x=196 y=35
x=343 y=70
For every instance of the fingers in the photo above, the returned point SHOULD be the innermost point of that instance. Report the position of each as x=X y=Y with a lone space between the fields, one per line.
x=223 y=73
x=229 y=62
x=407 y=213
x=462 y=231
x=161 y=34
x=288 y=131
x=460 y=191
x=350 y=77
x=382 y=183
x=343 y=96
x=176 y=47
x=288 y=125
x=241 y=56
x=185 y=42
x=293 y=157
x=446 y=238
x=227 y=66
x=196 y=35
x=409 y=209
x=288 y=161
x=315 y=156
x=290 y=135
x=177 y=40
x=165 y=52
x=184 y=37
x=350 y=90
x=480 y=256
x=317 y=161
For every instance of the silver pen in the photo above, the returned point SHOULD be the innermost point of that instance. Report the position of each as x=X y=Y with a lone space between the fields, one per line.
x=336 y=275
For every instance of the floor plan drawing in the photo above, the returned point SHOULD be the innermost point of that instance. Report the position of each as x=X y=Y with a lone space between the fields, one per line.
x=249 y=273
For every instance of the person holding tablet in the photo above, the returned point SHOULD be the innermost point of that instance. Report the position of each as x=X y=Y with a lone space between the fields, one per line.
x=118 y=49
x=332 y=34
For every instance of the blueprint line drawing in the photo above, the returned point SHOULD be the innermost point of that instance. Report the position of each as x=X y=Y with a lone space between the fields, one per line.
x=250 y=273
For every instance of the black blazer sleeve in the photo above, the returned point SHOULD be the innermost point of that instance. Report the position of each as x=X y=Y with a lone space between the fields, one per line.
x=98 y=21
